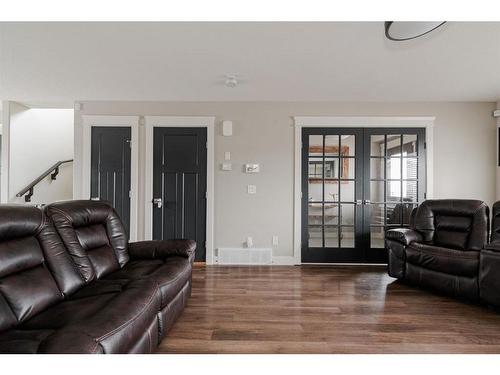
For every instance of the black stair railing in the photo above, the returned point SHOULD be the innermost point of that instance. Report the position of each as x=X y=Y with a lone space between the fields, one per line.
x=53 y=171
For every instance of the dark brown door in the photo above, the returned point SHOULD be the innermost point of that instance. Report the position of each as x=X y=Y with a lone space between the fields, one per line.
x=179 y=185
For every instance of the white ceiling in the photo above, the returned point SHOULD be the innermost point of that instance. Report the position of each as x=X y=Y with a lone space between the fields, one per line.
x=338 y=61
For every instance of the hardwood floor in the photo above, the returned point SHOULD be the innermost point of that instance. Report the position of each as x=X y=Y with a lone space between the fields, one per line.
x=319 y=309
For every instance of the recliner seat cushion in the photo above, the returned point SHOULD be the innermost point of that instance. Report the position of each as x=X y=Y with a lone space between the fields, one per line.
x=454 y=262
x=171 y=274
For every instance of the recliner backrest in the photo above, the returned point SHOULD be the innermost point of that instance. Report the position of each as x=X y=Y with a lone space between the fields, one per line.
x=29 y=250
x=93 y=235
x=495 y=223
x=454 y=223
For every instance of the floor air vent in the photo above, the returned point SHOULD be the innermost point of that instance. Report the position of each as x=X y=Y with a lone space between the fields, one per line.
x=235 y=256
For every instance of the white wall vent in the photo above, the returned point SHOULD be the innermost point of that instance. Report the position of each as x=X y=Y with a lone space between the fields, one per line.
x=235 y=256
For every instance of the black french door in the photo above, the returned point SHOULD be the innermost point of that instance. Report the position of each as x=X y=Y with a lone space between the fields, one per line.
x=356 y=184
x=179 y=185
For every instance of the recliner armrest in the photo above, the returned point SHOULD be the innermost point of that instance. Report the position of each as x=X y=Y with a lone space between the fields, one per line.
x=158 y=249
x=493 y=246
x=403 y=235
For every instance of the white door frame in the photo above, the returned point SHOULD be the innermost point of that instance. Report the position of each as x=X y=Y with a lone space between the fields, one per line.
x=184 y=122
x=300 y=122
x=90 y=121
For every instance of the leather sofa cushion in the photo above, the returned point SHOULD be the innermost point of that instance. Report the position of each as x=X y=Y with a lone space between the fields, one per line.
x=22 y=341
x=453 y=285
x=114 y=328
x=171 y=274
x=450 y=261
x=93 y=234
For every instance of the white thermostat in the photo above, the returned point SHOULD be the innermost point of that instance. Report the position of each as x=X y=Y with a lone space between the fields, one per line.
x=252 y=168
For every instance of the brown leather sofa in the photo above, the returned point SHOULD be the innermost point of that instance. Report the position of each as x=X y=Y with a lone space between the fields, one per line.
x=441 y=248
x=71 y=283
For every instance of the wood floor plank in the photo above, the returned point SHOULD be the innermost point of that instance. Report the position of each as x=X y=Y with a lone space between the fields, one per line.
x=319 y=309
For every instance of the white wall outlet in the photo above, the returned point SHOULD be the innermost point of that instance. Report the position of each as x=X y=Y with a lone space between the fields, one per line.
x=275 y=240
x=252 y=168
x=226 y=166
x=249 y=242
x=227 y=128
x=252 y=189
x=227 y=156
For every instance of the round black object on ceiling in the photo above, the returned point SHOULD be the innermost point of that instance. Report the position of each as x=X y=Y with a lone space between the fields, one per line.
x=406 y=30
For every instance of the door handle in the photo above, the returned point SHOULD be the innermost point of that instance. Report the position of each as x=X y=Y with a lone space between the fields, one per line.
x=158 y=202
x=367 y=201
x=359 y=202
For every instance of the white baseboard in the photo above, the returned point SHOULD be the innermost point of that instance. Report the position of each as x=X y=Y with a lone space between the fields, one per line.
x=283 y=261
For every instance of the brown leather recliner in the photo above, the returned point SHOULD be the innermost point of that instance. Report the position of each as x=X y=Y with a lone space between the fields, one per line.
x=441 y=248
x=489 y=271
x=74 y=285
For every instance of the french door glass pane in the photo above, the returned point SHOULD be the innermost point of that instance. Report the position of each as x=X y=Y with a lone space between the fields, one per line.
x=348 y=145
x=377 y=145
x=315 y=236
x=410 y=191
x=315 y=214
x=331 y=236
x=347 y=238
x=394 y=168
x=377 y=237
x=377 y=214
x=410 y=145
x=331 y=214
x=393 y=214
x=347 y=214
x=331 y=145
x=331 y=191
x=347 y=191
x=316 y=145
x=393 y=144
x=347 y=170
x=410 y=168
x=394 y=191
x=377 y=191
x=377 y=168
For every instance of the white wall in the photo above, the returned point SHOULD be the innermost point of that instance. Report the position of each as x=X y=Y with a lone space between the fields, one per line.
x=39 y=138
x=464 y=156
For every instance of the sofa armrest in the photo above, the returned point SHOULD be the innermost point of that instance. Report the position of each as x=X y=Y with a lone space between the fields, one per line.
x=404 y=236
x=493 y=246
x=158 y=249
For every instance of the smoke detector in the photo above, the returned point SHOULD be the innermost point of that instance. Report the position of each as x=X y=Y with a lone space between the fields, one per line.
x=231 y=81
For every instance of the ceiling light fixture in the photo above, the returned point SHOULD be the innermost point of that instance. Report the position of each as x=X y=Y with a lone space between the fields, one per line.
x=400 y=31
x=231 y=81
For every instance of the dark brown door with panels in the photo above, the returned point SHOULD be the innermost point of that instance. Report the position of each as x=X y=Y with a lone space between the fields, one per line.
x=179 y=185
x=356 y=184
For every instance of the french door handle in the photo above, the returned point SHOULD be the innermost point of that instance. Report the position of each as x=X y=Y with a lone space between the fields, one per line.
x=359 y=202
x=367 y=201
x=158 y=202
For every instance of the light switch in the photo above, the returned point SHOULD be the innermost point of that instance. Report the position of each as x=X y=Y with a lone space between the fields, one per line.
x=226 y=166
x=252 y=189
x=227 y=156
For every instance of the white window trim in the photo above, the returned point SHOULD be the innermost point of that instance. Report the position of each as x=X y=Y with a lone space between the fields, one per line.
x=90 y=121
x=187 y=122
x=300 y=122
